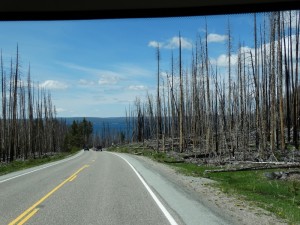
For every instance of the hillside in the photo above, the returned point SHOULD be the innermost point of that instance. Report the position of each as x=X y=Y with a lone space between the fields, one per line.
x=114 y=123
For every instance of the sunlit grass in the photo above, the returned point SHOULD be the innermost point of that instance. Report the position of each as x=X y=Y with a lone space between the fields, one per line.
x=277 y=196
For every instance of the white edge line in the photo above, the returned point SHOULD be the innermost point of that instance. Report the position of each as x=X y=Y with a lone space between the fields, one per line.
x=32 y=171
x=160 y=205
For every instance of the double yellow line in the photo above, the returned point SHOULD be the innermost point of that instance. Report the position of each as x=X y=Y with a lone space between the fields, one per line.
x=31 y=211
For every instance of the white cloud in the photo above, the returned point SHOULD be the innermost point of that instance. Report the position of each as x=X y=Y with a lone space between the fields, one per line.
x=202 y=30
x=137 y=88
x=246 y=49
x=172 y=43
x=223 y=59
x=53 y=84
x=108 y=79
x=154 y=44
x=216 y=38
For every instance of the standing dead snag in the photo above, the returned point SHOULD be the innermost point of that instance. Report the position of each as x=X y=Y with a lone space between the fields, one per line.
x=272 y=85
x=208 y=103
x=280 y=81
x=256 y=83
x=248 y=113
x=14 y=91
x=4 y=143
x=158 y=109
x=295 y=92
x=229 y=99
x=181 y=108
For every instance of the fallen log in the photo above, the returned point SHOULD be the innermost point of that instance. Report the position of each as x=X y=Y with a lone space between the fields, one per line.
x=280 y=166
x=138 y=153
x=174 y=161
x=266 y=163
x=198 y=156
x=283 y=175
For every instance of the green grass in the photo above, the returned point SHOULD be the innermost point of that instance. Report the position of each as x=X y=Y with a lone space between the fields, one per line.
x=190 y=169
x=20 y=164
x=279 y=197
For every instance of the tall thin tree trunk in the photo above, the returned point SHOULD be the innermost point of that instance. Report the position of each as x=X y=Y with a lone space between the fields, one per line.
x=272 y=85
x=158 y=118
x=279 y=56
x=181 y=113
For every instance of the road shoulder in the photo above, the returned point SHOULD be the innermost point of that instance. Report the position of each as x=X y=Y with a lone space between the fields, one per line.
x=233 y=208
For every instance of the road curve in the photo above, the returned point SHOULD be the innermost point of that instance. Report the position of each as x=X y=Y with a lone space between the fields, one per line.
x=97 y=188
x=94 y=188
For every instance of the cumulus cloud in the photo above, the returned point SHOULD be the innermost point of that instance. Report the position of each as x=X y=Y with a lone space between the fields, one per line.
x=154 y=44
x=53 y=84
x=172 y=43
x=222 y=60
x=216 y=38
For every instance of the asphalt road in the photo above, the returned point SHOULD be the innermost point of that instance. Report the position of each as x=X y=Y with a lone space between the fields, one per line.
x=97 y=188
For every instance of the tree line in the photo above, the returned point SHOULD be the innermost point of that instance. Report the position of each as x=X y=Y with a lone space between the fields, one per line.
x=250 y=112
x=79 y=134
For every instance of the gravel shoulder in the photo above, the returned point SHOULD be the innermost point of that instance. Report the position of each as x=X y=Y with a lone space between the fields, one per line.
x=233 y=207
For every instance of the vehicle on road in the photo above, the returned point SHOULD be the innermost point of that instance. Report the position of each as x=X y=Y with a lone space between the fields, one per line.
x=86 y=148
x=99 y=148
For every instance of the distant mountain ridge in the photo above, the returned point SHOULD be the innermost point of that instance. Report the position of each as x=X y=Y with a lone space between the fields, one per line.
x=114 y=123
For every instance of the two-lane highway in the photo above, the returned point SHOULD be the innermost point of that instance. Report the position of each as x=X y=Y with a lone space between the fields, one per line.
x=94 y=188
x=98 y=188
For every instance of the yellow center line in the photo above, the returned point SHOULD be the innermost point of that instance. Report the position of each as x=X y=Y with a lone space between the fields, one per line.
x=45 y=197
x=72 y=178
x=28 y=216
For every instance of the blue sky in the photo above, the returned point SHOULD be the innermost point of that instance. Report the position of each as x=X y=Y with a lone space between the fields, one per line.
x=97 y=67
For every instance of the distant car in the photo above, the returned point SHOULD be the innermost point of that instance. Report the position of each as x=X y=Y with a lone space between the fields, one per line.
x=99 y=148
x=86 y=148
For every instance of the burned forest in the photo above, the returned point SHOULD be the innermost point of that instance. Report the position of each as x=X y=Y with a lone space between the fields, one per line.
x=247 y=110
x=28 y=124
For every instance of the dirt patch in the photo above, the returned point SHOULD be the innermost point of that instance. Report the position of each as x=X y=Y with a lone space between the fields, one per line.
x=235 y=208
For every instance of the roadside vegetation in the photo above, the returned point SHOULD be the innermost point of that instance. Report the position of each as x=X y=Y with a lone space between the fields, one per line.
x=77 y=135
x=281 y=197
x=17 y=165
